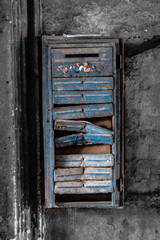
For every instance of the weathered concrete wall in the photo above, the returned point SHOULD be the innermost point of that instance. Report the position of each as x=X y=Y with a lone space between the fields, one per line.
x=79 y=224
x=7 y=136
x=135 y=22
x=142 y=125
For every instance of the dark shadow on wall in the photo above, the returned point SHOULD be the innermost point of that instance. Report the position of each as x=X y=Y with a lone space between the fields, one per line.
x=135 y=50
x=32 y=139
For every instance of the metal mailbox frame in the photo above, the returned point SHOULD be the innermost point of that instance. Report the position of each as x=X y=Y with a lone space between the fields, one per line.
x=53 y=42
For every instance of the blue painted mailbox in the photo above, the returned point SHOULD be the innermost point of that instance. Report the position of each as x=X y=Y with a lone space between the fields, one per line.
x=83 y=121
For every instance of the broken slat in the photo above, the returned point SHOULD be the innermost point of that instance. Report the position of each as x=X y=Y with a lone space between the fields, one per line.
x=81 y=138
x=83 y=187
x=71 y=174
x=97 y=173
x=80 y=126
x=68 y=174
x=82 y=97
x=92 y=83
x=84 y=160
x=83 y=111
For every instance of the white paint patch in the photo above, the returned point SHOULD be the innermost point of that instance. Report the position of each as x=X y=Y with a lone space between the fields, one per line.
x=42 y=224
x=15 y=204
x=80 y=68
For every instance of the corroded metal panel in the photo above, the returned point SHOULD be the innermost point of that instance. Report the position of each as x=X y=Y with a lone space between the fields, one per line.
x=74 y=62
x=81 y=84
x=87 y=69
x=84 y=160
x=82 y=97
x=103 y=53
x=83 y=111
x=80 y=126
x=48 y=128
x=71 y=174
x=83 y=187
x=81 y=138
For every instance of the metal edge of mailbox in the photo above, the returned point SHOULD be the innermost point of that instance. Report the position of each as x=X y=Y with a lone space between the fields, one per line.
x=114 y=146
x=47 y=126
x=81 y=39
x=47 y=40
x=119 y=139
x=122 y=79
x=102 y=205
x=120 y=147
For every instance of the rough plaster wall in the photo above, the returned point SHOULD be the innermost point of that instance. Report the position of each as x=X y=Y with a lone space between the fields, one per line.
x=79 y=224
x=7 y=137
x=142 y=124
x=135 y=22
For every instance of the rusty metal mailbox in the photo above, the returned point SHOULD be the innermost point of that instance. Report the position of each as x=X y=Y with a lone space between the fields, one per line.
x=83 y=121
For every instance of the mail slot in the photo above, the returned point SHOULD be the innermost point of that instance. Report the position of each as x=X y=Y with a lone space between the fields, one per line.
x=83 y=121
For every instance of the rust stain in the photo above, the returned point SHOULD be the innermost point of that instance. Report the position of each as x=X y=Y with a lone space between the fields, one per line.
x=83 y=112
x=61 y=127
x=85 y=64
x=63 y=69
x=89 y=70
x=51 y=109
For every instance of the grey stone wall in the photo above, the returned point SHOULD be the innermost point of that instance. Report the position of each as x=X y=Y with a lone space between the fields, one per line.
x=21 y=188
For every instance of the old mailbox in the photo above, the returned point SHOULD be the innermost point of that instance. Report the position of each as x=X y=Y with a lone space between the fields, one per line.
x=83 y=121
